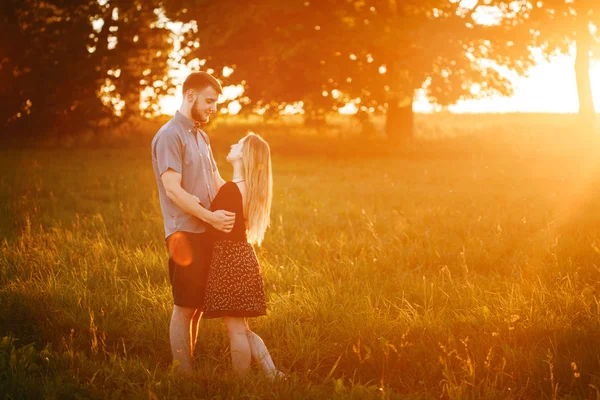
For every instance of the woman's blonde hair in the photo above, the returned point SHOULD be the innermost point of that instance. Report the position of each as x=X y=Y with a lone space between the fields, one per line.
x=256 y=156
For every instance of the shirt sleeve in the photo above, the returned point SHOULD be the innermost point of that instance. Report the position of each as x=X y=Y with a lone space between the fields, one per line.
x=169 y=151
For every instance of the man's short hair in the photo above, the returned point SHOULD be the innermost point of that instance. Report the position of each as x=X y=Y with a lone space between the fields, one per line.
x=201 y=80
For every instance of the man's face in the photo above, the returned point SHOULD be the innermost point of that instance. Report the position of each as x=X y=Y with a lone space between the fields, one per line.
x=204 y=104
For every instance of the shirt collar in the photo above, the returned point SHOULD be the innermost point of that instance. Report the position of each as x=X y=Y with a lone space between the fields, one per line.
x=185 y=121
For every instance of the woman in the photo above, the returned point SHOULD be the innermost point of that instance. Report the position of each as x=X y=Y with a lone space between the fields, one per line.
x=235 y=288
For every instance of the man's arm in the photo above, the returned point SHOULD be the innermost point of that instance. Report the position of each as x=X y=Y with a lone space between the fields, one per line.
x=220 y=220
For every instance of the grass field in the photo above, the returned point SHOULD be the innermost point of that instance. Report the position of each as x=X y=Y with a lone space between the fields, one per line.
x=465 y=264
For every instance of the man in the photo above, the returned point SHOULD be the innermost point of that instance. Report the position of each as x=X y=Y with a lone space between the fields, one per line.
x=188 y=180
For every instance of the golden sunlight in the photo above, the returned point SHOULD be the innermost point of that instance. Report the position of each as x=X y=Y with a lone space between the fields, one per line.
x=549 y=88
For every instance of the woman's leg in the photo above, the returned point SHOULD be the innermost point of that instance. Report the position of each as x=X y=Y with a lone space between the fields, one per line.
x=261 y=355
x=238 y=342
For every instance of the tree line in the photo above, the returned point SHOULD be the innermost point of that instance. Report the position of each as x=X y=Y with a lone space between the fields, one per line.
x=70 y=65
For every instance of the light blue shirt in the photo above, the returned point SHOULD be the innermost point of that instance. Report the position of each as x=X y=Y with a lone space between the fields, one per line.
x=183 y=147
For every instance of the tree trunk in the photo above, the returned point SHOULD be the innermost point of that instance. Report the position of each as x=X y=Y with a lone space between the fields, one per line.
x=314 y=117
x=587 y=112
x=399 y=119
x=367 y=128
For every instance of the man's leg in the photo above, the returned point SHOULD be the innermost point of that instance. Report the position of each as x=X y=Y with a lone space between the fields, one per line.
x=195 y=328
x=180 y=335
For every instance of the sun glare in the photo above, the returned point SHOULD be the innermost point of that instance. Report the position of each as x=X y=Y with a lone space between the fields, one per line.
x=550 y=88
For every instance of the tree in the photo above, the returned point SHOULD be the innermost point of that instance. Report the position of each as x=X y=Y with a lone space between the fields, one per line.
x=437 y=45
x=302 y=50
x=556 y=26
x=70 y=64
x=269 y=44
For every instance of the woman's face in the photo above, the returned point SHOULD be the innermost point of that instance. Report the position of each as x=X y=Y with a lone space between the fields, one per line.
x=235 y=153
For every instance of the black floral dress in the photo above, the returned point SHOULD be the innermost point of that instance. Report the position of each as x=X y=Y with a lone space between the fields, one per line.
x=235 y=286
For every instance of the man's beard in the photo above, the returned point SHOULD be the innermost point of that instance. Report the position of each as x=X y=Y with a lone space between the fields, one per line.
x=196 y=116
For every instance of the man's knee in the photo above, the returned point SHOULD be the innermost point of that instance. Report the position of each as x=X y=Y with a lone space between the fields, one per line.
x=185 y=313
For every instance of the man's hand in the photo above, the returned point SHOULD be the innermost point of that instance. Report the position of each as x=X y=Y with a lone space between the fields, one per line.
x=223 y=220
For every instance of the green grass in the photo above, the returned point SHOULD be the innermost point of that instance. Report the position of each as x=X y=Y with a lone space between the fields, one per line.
x=462 y=267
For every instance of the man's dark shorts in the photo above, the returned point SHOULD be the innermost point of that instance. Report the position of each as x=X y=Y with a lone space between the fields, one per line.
x=188 y=267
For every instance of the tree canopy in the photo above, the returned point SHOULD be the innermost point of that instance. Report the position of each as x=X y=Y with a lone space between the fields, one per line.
x=380 y=51
x=77 y=63
x=68 y=64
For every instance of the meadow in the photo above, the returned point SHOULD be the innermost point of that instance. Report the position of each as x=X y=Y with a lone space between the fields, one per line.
x=462 y=264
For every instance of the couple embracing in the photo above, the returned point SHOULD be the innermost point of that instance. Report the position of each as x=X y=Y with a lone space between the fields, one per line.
x=210 y=226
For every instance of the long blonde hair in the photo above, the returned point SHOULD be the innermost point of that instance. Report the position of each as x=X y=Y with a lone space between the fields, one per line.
x=256 y=156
